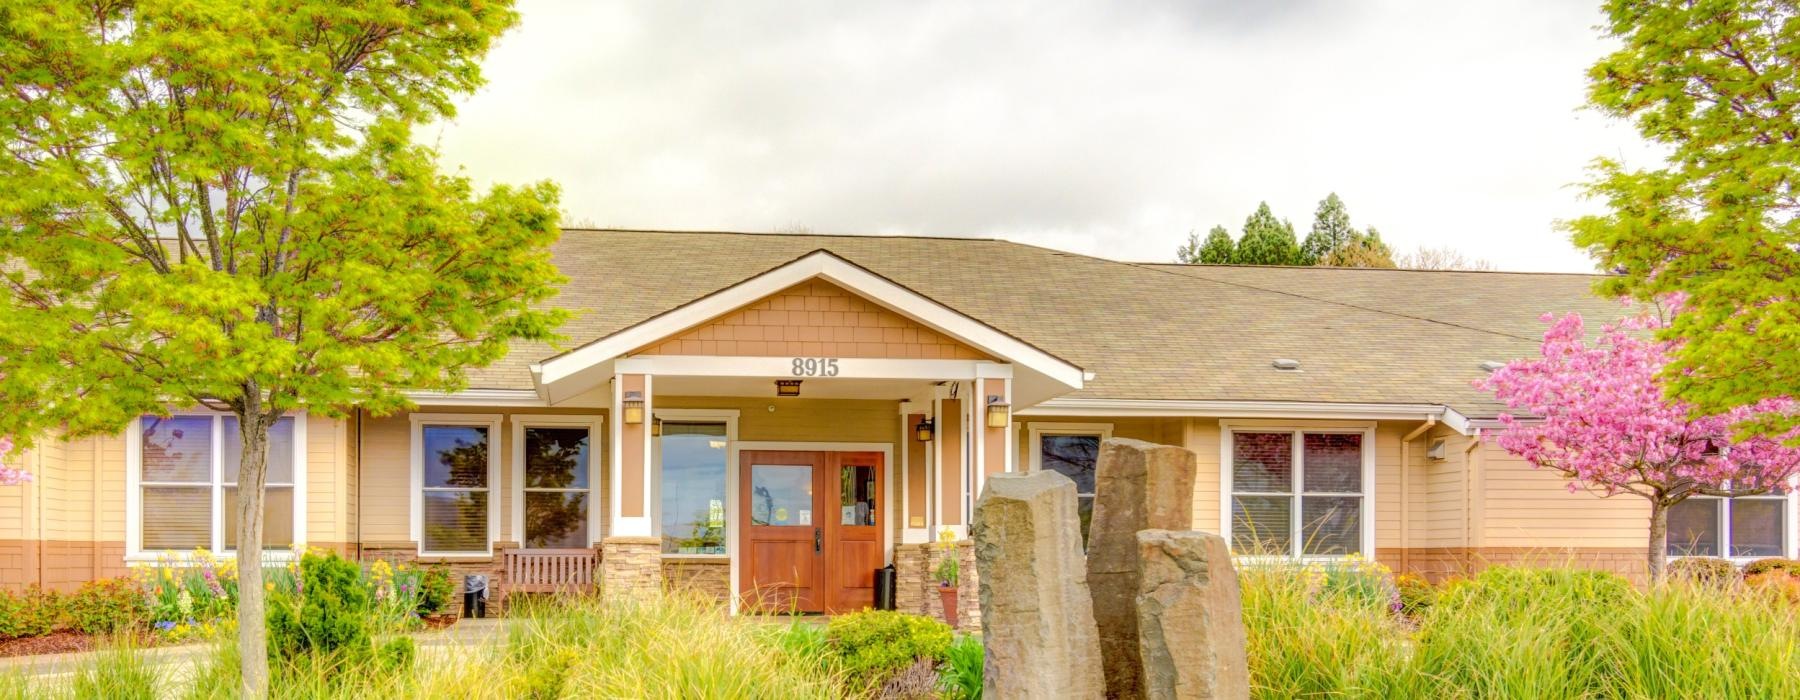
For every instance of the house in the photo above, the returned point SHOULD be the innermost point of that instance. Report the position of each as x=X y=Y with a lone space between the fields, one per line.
x=773 y=417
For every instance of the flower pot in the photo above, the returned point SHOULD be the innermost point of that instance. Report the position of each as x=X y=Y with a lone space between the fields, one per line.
x=948 y=595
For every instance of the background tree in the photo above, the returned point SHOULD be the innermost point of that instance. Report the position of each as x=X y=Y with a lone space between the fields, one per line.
x=1268 y=241
x=1331 y=230
x=1362 y=250
x=1598 y=415
x=1218 y=249
x=1425 y=258
x=1715 y=84
x=217 y=203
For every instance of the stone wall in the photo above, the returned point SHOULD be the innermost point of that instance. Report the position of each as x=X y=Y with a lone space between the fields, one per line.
x=916 y=589
x=706 y=576
x=630 y=564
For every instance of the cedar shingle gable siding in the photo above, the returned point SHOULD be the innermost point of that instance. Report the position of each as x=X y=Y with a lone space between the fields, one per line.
x=1146 y=331
x=814 y=319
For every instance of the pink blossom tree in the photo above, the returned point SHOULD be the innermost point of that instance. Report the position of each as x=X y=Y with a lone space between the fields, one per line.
x=10 y=476
x=1598 y=414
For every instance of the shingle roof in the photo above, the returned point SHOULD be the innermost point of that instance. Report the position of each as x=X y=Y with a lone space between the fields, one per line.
x=1147 y=331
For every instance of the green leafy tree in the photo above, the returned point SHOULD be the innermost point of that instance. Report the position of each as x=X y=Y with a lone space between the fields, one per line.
x=1218 y=248
x=1716 y=84
x=1268 y=241
x=1331 y=230
x=217 y=203
x=1362 y=250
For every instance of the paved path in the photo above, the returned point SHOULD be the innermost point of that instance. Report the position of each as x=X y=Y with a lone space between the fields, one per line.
x=180 y=661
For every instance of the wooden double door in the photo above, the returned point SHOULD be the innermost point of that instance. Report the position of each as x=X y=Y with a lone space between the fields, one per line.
x=812 y=530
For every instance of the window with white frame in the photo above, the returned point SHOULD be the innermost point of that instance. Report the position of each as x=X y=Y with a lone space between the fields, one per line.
x=693 y=458
x=558 y=485
x=1072 y=450
x=1746 y=527
x=455 y=483
x=1298 y=492
x=186 y=475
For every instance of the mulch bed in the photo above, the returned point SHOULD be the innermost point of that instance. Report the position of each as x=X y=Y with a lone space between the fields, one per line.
x=440 y=621
x=53 y=643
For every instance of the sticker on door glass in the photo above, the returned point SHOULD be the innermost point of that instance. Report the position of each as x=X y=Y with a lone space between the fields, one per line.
x=806 y=517
x=780 y=516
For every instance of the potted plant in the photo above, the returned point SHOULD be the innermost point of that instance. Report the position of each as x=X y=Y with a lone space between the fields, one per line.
x=949 y=573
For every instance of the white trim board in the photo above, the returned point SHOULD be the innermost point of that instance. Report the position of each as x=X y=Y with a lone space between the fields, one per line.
x=1286 y=410
x=1053 y=376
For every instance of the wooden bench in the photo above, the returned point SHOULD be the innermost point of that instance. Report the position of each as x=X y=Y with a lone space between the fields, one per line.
x=548 y=571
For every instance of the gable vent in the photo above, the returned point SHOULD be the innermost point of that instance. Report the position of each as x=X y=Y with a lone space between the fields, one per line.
x=1286 y=365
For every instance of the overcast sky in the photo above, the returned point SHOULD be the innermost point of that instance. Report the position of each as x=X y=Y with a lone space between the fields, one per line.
x=1104 y=128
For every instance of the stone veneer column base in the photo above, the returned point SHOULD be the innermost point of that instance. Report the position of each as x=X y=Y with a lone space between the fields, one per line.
x=630 y=564
x=916 y=588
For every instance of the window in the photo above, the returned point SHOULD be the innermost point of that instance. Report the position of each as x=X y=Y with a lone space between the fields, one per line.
x=454 y=471
x=557 y=486
x=185 y=473
x=1748 y=527
x=1072 y=450
x=693 y=459
x=1298 y=493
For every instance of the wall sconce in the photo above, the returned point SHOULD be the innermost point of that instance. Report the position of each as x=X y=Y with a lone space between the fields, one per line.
x=634 y=407
x=787 y=387
x=998 y=412
x=924 y=430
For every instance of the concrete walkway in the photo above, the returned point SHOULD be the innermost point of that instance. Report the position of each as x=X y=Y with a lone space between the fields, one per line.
x=178 y=662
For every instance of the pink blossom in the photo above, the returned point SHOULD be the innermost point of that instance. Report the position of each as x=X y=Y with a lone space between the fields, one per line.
x=1598 y=414
x=10 y=476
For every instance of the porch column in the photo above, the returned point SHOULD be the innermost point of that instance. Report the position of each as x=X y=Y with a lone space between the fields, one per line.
x=630 y=556
x=993 y=420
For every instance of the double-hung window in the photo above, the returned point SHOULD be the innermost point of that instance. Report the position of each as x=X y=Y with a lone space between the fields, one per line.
x=184 y=471
x=1072 y=450
x=1298 y=493
x=1747 y=527
x=455 y=471
x=556 y=458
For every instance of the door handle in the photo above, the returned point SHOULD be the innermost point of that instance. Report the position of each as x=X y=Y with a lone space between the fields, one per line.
x=818 y=540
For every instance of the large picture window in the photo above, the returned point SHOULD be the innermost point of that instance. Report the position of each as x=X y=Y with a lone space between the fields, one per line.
x=693 y=457
x=1748 y=527
x=455 y=478
x=1072 y=450
x=1298 y=492
x=186 y=471
x=557 y=485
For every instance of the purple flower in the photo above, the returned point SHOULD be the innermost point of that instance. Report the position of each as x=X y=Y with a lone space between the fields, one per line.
x=166 y=625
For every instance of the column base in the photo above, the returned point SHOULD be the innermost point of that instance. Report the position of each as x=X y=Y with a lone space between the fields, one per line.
x=916 y=584
x=630 y=565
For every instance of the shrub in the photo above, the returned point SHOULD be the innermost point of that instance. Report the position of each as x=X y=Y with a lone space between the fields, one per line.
x=436 y=590
x=33 y=613
x=328 y=616
x=1512 y=632
x=873 y=645
x=1416 y=594
x=1709 y=570
x=961 y=678
x=1790 y=567
x=916 y=682
x=117 y=674
x=1308 y=639
x=106 y=606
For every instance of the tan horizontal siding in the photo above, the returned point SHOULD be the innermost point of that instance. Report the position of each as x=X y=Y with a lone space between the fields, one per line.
x=1528 y=507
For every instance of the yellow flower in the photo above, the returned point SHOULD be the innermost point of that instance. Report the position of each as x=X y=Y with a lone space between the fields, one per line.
x=269 y=586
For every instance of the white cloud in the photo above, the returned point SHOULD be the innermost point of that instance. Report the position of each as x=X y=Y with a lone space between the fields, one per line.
x=1101 y=128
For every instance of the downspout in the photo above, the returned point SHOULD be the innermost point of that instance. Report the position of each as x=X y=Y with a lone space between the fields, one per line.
x=356 y=522
x=1469 y=496
x=1406 y=468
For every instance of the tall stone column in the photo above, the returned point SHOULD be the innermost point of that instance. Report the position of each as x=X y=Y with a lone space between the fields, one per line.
x=1190 y=616
x=1037 y=619
x=1138 y=486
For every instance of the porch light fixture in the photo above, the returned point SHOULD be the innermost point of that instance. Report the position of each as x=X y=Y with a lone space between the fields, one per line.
x=923 y=431
x=998 y=411
x=633 y=406
x=787 y=387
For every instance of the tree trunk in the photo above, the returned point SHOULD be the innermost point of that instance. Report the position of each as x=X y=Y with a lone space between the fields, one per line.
x=253 y=634
x=1659 y=539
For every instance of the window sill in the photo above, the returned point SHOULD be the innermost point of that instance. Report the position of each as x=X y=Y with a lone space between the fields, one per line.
x=696 y=557
x=188 y=558
x=440 y=558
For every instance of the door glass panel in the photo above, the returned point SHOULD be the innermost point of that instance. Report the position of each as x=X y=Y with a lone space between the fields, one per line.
x=856 y=495
x=781 y=495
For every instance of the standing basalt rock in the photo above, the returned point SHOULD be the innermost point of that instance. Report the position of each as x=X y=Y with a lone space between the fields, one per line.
x=1137 y=486
x=1037 y=619
x=1190 y=617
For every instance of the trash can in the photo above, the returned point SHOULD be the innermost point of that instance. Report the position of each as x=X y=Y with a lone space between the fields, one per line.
x=884 y=588
x=475 y=595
